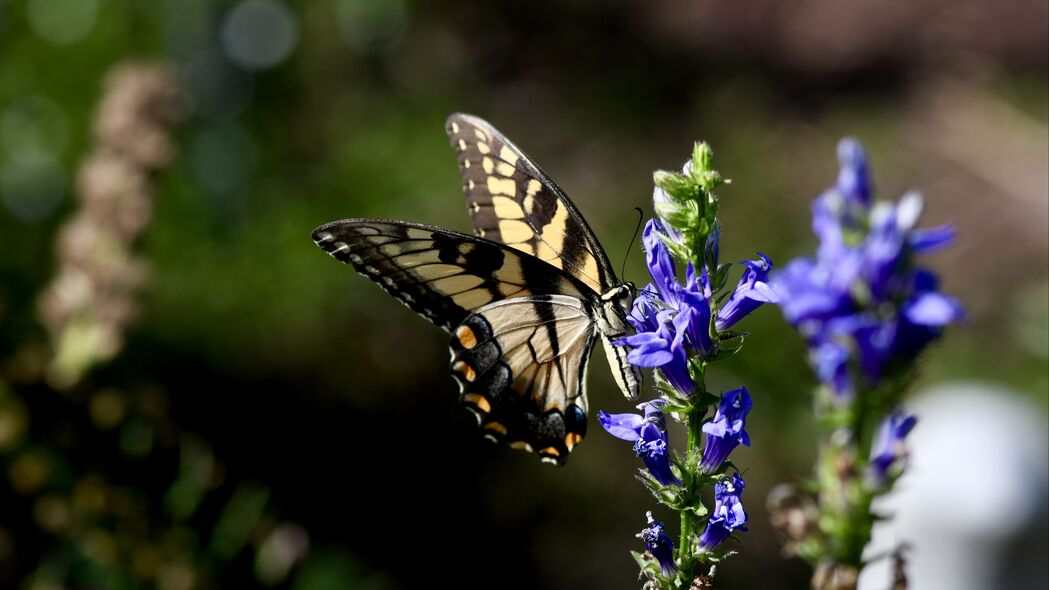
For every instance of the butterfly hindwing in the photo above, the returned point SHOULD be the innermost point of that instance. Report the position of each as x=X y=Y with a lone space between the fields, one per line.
x=521 y=367
x=440 y=274
x=514 y=202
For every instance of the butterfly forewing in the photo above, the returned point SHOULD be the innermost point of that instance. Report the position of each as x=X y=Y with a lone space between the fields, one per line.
x=514 y=202
x=521 y=367
x=440 y=274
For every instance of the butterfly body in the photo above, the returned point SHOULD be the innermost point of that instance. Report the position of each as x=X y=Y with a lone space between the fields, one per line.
x=524 y=300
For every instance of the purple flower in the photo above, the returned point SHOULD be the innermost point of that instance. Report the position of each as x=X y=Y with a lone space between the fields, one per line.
x=861 y=304
x=671 y=321
x=854 y=174
x=751 y=292
x=711 y=250
x=692 y=321
x=931 y=240
x=726 y=431
x=888 y=445
x=924 y=314
x=658 y=543
x=660 y=264
x=649 y=435
x=831 y=361
x=728 y=514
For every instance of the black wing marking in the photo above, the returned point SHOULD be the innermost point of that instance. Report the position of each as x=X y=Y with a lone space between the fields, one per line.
x=521 y=367
x=440 y=274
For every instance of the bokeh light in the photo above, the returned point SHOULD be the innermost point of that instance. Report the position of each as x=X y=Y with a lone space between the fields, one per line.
x=259 y=34
x=62 y=21
x=371 y=26
x=32 y=186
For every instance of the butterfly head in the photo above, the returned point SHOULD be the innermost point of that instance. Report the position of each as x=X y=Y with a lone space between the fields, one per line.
x=617 y=303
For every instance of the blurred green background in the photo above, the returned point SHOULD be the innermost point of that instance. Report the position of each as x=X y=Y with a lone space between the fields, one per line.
x=274 y=420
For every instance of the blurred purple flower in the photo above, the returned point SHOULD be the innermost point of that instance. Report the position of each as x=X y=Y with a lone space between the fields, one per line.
x=853 y=174
x=888 y=447
x=861 y=304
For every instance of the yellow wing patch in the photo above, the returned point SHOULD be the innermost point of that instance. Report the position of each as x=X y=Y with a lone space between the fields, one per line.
x=512 y=201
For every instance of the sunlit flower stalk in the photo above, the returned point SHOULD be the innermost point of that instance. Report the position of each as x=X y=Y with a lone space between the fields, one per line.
x=679 y=330
x=91 y=300
x=866 y=310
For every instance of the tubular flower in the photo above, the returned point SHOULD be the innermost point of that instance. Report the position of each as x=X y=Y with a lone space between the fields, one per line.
x=649 y=435
x=751 y=292
x=671 y=321
x=725 y=432
x=658 y=543
x=728 y=514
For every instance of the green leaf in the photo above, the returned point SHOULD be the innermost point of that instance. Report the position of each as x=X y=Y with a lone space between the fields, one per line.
x=640 y=559
x=699 y=510
x=729 y=344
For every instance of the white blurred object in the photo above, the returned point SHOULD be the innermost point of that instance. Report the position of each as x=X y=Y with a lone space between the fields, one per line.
x=973 y=505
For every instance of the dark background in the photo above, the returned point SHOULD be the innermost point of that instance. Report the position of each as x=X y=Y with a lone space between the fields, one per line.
x=274 y=408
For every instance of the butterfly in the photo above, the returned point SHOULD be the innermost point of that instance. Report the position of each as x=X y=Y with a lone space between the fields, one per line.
x=524 y=300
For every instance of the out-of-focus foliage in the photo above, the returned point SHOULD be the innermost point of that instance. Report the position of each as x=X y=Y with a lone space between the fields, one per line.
x=273 y=419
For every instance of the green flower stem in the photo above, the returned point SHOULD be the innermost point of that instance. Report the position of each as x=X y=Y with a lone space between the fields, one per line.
x=844 y=498
x=694 y=416
x=694 y=420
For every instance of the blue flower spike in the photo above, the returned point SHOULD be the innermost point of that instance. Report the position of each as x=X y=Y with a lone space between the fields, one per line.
x=867 y=310
x=681 y=324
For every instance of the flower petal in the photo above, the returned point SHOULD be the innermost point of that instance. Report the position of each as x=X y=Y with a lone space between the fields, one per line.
x=623 y=426
x=933 y=309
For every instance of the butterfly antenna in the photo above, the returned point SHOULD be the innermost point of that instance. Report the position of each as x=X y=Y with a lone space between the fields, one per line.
x=640 y=218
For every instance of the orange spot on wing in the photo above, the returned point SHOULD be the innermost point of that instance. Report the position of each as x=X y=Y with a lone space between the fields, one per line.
x=497 y=427
x=465 y=370
x=478 y=400
x=466 y=336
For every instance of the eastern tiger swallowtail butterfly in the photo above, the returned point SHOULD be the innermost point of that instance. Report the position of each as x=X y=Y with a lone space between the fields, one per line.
x=524 y=300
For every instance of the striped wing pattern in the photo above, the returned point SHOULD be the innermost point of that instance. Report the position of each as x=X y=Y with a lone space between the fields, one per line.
x=440 y=274
x=514 y=202
x=521 y=367
x=520 y=299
